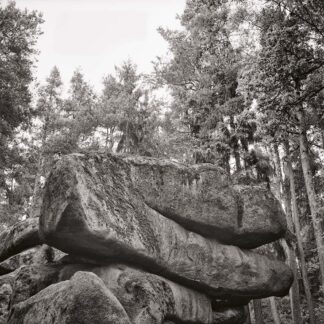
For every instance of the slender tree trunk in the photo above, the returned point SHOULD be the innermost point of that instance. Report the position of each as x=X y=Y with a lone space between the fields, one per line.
x=286 y=196
x=111 y=141
x=237 y=160
x=274 y=310
x=236 y=147
x=9 y=193
x=35 y=205
x=295 y=218
x=294 y=295
x=107 y=139
x=278 y=172
x=226 y=162
x=248 y=315
x=257 y=306
x=36 y=197
x=316 y=211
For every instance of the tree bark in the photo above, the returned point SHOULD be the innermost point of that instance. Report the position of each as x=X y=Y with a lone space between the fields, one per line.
x=35 y=205
x=107 y=139
x=274 y=310
x=316 y=211
x=235 y=146
x=257 y=306
x=248 y=315
x=295 y=218
x=278 y=173
x=237 y=160
x=290 y=251
x=294 y=295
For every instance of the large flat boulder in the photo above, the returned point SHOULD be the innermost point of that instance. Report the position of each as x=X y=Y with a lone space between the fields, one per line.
x=202 y=199
x=91 y=209
x=84 y=300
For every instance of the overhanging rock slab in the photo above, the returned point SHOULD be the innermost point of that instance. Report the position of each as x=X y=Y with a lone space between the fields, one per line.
x=202 y=199
x=91 y=209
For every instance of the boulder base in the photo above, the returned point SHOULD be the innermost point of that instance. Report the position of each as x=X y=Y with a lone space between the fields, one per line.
x=84 y=300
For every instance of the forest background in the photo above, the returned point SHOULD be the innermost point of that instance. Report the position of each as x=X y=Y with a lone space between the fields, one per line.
x=245 y=81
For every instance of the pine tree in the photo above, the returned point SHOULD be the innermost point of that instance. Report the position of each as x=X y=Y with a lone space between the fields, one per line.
x=19 y=31
x=203 y=77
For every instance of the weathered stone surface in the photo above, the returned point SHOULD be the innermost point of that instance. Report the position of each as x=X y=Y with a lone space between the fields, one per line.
x=16 y=261
x=203 y=199
x=42 y=254
x=146 y=298
x=31 y=279
x=89 y=209
x=28 y=280
x=84 y=300
x=25 y=282
x=6 y=289
x=5 y=294
x=235 y=315
x=149 y=299
x=19 y=237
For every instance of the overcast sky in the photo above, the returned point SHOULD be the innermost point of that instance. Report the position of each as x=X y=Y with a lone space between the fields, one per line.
x=99 y=34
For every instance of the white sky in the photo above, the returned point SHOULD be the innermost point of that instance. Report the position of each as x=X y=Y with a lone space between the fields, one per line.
x=96 y=35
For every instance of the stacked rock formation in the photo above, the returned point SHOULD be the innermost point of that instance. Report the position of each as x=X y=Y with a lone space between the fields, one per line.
x=146 y=241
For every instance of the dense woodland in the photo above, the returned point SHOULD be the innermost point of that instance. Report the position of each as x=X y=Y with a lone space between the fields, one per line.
x=245 y=91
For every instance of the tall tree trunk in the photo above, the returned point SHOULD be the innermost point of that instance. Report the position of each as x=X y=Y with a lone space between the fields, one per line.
x=107 y=139
x=35 y=205
x=237 y=159
x=235 y=146
x=316 y=211
x=274 y=310
x=295 y=218
x=226 y=162
x=257 y=306
x=248 y=315
x=290 y=251
x=278 y=173
x=294 y=294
